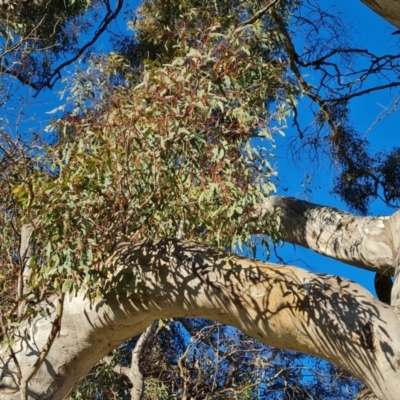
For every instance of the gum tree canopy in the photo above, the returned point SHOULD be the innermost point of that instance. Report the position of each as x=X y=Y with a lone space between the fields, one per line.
x=127 y=207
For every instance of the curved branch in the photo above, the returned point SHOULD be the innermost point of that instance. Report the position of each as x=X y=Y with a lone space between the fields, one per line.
x=365 y=242
x=133 y=372
x=56 y=74
x=286 y=307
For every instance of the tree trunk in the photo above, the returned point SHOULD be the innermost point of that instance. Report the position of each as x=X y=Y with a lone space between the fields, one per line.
x=286 y=307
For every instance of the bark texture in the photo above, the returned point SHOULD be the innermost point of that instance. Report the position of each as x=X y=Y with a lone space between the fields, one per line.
x=282 y=306
x=366 y=242
x=388 y=9
x=365 y=394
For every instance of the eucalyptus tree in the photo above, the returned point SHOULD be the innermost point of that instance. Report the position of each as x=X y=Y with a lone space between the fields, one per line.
x=39 y=39
x=160 y=166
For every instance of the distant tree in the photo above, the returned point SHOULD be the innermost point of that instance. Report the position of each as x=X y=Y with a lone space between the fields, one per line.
x=203 y=360
x=39 y=39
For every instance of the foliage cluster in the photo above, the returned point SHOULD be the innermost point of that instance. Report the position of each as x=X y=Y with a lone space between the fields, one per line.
x=168 y=152
x=170 y=137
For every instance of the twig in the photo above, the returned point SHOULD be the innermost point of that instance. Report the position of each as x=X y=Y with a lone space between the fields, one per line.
x=258 y=15
x=384 y=114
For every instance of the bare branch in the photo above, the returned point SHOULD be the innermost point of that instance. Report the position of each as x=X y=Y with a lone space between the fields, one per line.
x=353 y=95
x=56 y=74
x=257 y=16
x=17 y=75
x=134 y=375
x=133 y=372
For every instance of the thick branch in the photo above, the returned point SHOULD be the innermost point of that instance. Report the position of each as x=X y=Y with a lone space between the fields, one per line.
x=135 y=375
x=366 y=242
x=388 y=9
x=286 y=307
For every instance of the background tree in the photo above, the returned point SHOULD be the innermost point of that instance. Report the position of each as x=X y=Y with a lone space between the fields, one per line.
x=40 y=39
x=201 y=359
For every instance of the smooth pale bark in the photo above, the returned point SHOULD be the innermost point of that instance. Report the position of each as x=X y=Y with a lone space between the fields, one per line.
x=366 y=242
x=388 y=9
x=133 y=373
x=282 y=306
x=25 y=254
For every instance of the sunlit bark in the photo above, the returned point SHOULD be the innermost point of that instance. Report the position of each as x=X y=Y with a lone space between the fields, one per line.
x=286 y=307
x=366 y=242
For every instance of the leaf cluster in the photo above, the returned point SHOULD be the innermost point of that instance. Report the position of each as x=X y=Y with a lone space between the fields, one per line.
x=39 y=39
x=363 y=176
x=170 y=153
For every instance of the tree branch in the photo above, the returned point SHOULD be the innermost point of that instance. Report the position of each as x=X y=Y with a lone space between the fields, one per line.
x=16 y=74
x=346 y=97
x=286 y=307
x=388 y=9
x=55 y=329
x=365 y=242
x=257 y=16
x=25 y=255
x=56 y=74
x=134 y=372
